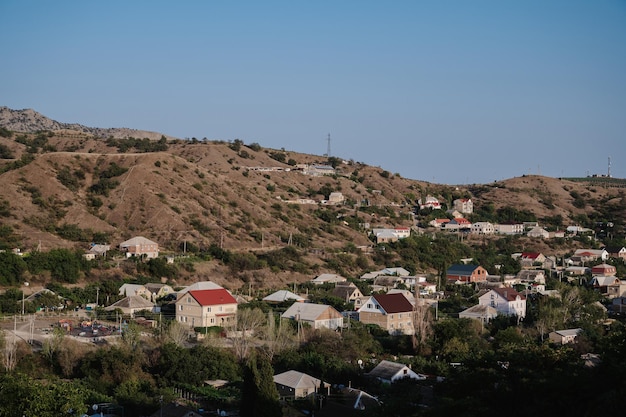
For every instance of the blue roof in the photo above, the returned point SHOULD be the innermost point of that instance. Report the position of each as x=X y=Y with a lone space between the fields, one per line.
x=461 y=269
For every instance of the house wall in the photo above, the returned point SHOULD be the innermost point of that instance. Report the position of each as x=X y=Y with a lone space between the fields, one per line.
x=189 y=312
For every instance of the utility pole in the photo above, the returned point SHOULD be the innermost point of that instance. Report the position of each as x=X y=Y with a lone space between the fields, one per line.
x=328 y=147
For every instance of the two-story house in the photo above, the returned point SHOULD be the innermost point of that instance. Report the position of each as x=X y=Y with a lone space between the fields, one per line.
x=463 y=205
x=140 y=246
x=392 y=312
x=506 y=301
x=206 y=308
x=466 y=274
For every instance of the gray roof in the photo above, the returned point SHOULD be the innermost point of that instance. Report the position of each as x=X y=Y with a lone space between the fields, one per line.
x=295 y=379
x=306 y=311
x=282 y=295
x=134 y=302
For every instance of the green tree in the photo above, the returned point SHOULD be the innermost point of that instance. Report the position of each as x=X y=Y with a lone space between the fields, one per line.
x=259 y=396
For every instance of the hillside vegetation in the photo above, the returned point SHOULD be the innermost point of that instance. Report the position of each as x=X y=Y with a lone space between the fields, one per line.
x=68 y=188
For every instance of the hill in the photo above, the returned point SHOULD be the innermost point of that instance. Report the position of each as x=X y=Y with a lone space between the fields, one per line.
x=71 y=186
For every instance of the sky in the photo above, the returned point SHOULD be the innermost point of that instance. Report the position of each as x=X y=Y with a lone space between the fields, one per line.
x=445 y=91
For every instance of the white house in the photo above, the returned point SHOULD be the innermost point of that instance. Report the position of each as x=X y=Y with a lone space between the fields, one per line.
x=510 y=228
x=463 y=205
x=506 y=301
x=483 y=228
x=538 y=232
x=328 y=279
x=429 y=202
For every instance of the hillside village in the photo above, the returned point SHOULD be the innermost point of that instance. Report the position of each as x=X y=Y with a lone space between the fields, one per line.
x=360 y=292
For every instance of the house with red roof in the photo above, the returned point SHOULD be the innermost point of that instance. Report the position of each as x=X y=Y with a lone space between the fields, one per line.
x=529 y=259
x=463 y=205
x=506 y=301
x=392 y=312
x=458 y=223
x=603 y=269
x=206 y=308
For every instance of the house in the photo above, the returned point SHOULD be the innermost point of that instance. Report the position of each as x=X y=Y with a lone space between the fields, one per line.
x=439 y=223
x=483 y=313
x=590 y=255
x=426 y=287
x=429 y=202
x=562 y=337
x=466 y=274
x=482 y=228
x=200 y=285
x=389 y=372
x=385 y=236
x=99 y=249
x=282 y=296
x=134 y=289
x=458 y=224
x=316 y=315
x=531 y=276
x=509 y=228
x=506 y=301
x=530 y=259
x=318 y=170
x=347 y=399
x=538 y=232
x=349 y=293
x=206 y=308
x=294 y=385
x=336 y=198
x=392 y=312
x=131 y=304
x=397 y=271
x=463 y=205
x=158 y=290
x=616 y=289
x=390 y=235
x=140 y=246
x=603 y=269
x=602 y=283
x=328 y=279
x=617 y=252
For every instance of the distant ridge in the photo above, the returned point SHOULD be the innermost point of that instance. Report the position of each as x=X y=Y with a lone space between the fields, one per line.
x=30 y=121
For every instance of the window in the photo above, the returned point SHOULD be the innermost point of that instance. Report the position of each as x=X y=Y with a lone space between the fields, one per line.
x=208 y=309
x=180 y=307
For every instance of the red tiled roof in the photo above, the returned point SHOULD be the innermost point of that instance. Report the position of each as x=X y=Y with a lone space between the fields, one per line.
x=530 y=255
x=213 y=297
x=461 y=220
x=394 y=303
x=509 y=294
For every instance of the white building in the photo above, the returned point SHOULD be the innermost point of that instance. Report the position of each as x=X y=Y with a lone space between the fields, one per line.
x=483 y=228
x=506 y=301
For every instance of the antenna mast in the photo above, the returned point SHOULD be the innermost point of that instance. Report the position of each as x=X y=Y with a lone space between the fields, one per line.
x=608 y=173
x=328 y=148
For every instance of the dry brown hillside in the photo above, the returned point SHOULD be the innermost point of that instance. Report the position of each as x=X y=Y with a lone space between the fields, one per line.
x=55 y=183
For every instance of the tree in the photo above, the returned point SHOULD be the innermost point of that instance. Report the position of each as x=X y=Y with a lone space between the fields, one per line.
x=422 y=325
x=259 y=396
x=9 y=350
x=249 y=322
x=277 y=338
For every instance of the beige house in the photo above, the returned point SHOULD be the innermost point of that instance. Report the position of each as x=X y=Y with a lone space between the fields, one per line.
x=511 y=228
x=206 y=308
x=316 y=315
x=483 y=228
x=392 y=312
x=538 y=232
x=294 y=384
x=140 y=246
x=131 y=304
x=563 y=337
x=347 y=292
x=158 y=290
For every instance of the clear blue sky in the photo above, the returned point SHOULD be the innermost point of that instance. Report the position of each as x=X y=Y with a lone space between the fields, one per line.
x=443 y=91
